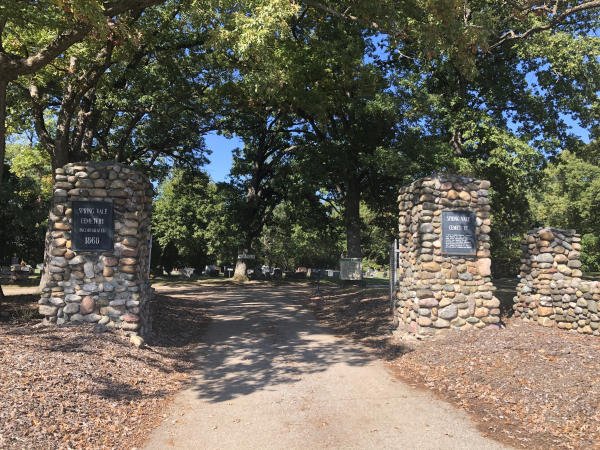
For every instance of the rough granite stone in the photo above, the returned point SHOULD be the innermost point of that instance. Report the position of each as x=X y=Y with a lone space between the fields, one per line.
x=439 y=287
x=89 y=280
x=552 y=294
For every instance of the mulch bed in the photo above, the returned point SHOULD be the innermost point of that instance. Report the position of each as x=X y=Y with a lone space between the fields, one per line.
x=71 y=387
x=525 y=385
x=74 y=387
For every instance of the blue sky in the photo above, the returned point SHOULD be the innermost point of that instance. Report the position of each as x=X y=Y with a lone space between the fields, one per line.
x=220 y=159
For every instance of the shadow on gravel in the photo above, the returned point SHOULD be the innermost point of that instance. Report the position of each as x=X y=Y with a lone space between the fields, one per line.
x=363 y=315
x=179 y=319
x=258 y=336
x=19 y=309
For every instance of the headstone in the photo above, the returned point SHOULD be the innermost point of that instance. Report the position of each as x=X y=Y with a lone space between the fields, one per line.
x=351 y=269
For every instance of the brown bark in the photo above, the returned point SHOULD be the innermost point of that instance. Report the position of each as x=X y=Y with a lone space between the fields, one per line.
x=45 y=275
x=352 y=216
x=3 y=86
x=12 y=66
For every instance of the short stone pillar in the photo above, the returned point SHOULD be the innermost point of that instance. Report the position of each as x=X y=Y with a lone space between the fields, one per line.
x=444 y=256
x=96 y=262
x=551 y=291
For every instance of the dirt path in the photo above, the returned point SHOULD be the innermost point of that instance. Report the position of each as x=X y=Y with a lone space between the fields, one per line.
x=18 y=290
x=271 y=377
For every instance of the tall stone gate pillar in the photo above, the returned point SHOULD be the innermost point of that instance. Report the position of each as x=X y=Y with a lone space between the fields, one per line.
x=97 y=259
x=444 y=276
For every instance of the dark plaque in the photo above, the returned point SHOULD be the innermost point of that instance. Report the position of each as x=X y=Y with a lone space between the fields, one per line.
x=458 y=233
x=92 y=226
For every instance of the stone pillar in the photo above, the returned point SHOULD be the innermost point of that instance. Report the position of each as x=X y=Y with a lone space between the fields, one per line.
x=110 y=285
x=551 y=291
x=437 y=288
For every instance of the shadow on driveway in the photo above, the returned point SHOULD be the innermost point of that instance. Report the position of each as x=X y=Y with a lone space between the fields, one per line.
x=256 y=337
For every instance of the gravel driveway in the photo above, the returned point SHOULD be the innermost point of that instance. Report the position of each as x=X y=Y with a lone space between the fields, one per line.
x=270 y=376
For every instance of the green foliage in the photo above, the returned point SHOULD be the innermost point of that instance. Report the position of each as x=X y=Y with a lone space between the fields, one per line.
x=590 y=252
x=260 y=173
x=24 y=204
x=569 y=197
x=302 y=234
x=338 y=104
x=379 y=230
x=186 y=206
x=31 y=163
x=506 y=253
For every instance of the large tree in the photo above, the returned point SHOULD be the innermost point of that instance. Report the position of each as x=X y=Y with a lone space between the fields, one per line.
x=569 y=197
x=189 y=213
x=314 y=69
x=135 y=98
x=33 y=34
x=504 y=98
x=259 y=175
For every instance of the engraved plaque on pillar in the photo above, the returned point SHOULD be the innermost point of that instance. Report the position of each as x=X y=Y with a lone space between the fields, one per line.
x=459 y=233
x=92 y=226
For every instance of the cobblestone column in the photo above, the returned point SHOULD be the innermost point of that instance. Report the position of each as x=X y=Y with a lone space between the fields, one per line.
x=551 y=291
x=105 y=287
x=437 y=290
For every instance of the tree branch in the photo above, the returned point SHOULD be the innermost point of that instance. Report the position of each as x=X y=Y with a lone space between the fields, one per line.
x=38 y=119
x=341 y=15
x=115 y=8
x=556 y=20
x=12 y=66
x=126 y=135
x=2 y=25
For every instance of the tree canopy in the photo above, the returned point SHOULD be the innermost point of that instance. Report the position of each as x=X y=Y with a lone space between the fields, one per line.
x=338 y=104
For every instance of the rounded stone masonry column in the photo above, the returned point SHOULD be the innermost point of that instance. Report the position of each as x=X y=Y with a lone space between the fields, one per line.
x=96 y=262
x=551 y=291
x=444 y=276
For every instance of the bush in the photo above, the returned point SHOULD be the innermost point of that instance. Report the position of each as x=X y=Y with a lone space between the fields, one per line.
x=506 y=256
x=590 y=253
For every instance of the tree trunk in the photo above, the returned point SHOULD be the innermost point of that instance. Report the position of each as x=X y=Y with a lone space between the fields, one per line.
x=61 y=154
x=3 y=86
x=240 y=270
x=45 y=275
x=352 y=217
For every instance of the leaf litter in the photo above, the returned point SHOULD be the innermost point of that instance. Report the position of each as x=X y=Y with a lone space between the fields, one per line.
x=74 y=387
x=523 y=384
